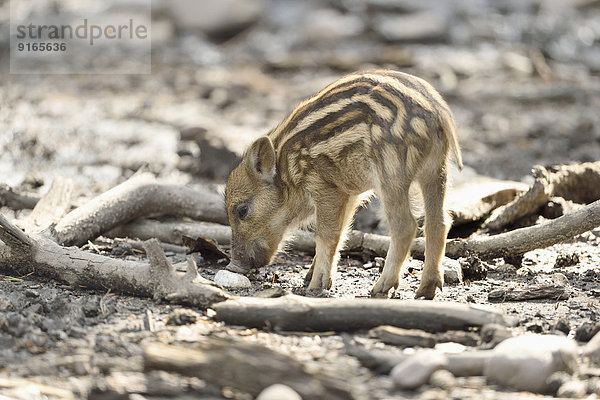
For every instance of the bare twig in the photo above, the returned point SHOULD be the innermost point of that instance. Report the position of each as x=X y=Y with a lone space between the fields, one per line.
x=577 y=182
x=139 y=196
x=15 y=200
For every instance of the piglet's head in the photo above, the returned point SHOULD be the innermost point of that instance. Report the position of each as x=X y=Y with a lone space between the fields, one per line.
x=255 y=207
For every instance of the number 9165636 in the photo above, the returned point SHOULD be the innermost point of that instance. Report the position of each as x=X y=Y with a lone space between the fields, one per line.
x=40 y=47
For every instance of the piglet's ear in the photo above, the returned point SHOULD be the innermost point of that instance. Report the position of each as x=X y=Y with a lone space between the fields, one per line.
x=261 y=158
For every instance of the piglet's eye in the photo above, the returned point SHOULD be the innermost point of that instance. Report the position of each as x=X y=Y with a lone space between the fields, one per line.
x=242 y=211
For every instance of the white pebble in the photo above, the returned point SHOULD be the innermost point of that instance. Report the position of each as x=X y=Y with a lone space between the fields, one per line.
x=232 y=280
x=526 y=362
x=416 y=370
x=278 y=392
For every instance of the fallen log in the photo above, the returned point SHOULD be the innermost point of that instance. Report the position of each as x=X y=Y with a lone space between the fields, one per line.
x=21 y=254
x=296 y=313
x=579 y=183
x=247 y=367
x=139 y=196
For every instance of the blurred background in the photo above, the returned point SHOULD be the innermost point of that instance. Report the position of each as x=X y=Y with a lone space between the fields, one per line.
x=521 y=76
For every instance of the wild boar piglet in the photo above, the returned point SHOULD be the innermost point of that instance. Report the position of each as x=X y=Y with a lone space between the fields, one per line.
x=381 y=130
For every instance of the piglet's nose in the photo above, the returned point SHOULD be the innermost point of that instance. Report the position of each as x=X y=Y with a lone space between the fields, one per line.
x=235 y=268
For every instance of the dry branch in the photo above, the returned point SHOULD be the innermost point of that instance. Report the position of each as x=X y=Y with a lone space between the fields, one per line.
x=139 y=196
x=45 y=390
x=532 y=293
x=522 y=240
x=15 y=200
x=172 y=231
x=22 y=254
x=51 y=207
x=382 y=361
x=578 y=182
x=296 y=313
x=510 y=243
x=247 y=367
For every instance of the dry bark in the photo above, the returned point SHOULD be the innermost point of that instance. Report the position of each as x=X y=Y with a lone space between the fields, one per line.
x=296 y=313
x=139 y=196
x=552 y=292
x=579 y=183
x=247 y=367
x=21 y=254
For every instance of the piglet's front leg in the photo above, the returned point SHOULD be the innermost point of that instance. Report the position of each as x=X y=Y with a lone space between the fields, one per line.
x=334 y=211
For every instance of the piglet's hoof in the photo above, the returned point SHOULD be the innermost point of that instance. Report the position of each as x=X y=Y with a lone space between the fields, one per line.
x=308 y=277
x=379 y=295
x=324 y=293
x=427 y=290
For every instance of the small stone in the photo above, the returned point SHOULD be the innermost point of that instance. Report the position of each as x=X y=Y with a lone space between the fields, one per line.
x=182 y=316
x=526 y=362
x=452 y=271
x=492 y=334
x=566 y=260
x=270 y=293
x=572 y=389
x=231 y=279
x=442 y=379
x=562 y=325
x=417 y=369
x=450 y=347
x=517 y=62
x=278 y=392
x=222 y=19
x=586 y=332
x=473 y=268
x=556 y=279
x=418 y=26
x=329 y=26
x=559 y=279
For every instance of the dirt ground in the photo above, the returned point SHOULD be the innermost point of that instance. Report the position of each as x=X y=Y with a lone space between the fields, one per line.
x=522 y=78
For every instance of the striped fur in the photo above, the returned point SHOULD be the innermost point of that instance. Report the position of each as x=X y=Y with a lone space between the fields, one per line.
x=378 y=130
x=378 y=97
